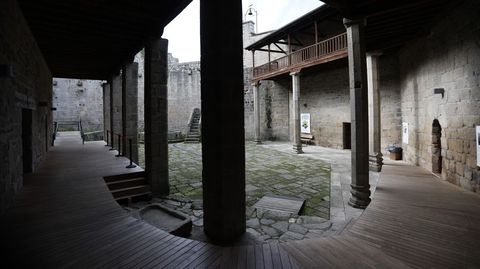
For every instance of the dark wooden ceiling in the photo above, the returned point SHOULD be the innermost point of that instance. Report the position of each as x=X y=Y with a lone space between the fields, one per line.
x=389 y=24
x=92 y=39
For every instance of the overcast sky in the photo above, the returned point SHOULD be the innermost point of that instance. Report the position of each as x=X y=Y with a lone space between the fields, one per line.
x=183 y=32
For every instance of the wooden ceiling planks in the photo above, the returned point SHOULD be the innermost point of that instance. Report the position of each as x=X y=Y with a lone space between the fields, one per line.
x=93 y=39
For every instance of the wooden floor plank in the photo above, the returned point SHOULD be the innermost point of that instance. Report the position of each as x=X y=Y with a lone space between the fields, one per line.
x=205 y=255
x=259 y=257
x=197 y=250
x=180 y=254
x=250 y=263
x=66 y=217
x=242 y=258
x=267 y=256
x=276 y=259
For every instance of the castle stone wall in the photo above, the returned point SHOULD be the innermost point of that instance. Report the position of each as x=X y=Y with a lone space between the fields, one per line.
x=30 y=88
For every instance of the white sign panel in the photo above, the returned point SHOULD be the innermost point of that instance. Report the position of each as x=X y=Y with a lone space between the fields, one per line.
x=305 y=122
x=405 y=132
x=478 y=145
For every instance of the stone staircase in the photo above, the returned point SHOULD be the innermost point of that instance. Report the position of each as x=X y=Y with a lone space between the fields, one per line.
x=126 y=187
x=194 y=134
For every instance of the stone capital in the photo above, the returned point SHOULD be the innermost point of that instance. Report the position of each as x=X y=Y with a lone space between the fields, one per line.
x=375 y=53
x=349 y=22
x=296 y=72
x=256 y=83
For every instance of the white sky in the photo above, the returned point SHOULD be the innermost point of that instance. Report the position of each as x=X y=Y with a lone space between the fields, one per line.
x=183 y=32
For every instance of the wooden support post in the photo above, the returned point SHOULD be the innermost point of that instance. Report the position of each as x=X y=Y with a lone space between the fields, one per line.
x=316 y=39
x=289 y=50
x=269 y=60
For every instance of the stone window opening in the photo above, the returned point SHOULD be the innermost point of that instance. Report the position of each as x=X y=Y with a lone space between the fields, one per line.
x=436 y=147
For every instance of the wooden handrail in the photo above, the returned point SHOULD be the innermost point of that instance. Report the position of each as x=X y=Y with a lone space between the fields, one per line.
x=304 y=55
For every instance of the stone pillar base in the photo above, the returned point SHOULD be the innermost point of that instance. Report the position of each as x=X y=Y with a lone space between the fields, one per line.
x=376 y=162
x=297 y=149
x=360 y=196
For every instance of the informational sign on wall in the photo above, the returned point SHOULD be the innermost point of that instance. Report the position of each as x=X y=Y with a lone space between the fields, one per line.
x=478 y=145
x=305 y=122
x=405 y=132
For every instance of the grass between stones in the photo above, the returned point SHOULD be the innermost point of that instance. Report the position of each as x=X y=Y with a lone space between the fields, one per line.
x=268 y=171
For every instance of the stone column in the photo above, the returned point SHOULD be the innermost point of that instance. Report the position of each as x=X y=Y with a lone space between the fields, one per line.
x=117 y=100
x=256 y=115
x=106 y=112
x=297 y=142
x=129 y=109
x=223 y=134
x=112 y=136
x=156 y=115
x=359 y=112
x=376 y=156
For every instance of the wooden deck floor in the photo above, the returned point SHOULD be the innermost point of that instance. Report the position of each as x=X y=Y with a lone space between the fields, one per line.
x=65 y=217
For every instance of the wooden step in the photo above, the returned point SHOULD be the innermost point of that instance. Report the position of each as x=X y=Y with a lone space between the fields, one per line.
x=126 y=183
x=124 y=176
x=131 y=191
x=132 y=196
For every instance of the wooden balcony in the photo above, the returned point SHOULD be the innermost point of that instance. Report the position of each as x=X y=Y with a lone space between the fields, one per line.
x=325 y=51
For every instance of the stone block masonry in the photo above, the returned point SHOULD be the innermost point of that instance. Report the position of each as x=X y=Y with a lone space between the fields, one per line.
x=448 y=58
x=79 y=99
x=183 y=94
x=29 y=89
x=156 y=116
x=390 y=111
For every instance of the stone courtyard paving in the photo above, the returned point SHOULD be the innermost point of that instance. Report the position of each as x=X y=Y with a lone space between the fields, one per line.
x=268 y=171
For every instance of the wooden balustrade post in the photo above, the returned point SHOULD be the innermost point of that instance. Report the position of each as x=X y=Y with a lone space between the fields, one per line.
x=269 y=65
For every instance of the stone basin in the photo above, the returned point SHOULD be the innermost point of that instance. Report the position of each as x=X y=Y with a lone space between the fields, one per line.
x=167 y=219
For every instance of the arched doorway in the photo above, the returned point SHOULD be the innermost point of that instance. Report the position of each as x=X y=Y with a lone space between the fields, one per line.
x=436 y=147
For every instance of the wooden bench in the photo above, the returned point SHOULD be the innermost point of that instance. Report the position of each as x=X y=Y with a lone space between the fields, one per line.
x=306 y=138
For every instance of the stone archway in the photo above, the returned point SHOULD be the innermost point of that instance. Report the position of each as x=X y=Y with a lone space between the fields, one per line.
x=436 y=147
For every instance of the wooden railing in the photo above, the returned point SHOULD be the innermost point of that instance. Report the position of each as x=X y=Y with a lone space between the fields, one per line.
x=303 y=56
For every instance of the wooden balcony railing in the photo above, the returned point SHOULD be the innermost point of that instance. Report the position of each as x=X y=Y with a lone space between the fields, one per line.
x=303 y=57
